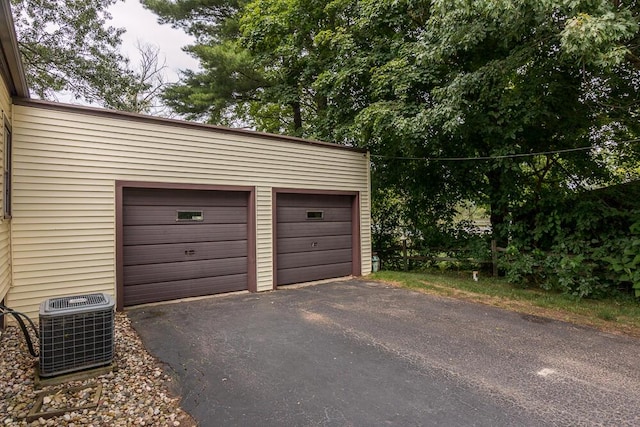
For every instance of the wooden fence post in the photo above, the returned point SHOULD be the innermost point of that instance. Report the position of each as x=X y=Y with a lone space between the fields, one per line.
x=494 y=257
x=404 y=255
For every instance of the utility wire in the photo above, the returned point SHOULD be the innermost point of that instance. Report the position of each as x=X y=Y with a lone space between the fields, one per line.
x=461 y=159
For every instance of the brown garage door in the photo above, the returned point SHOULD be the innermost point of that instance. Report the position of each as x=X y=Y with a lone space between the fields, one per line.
x=183 y=243
x=314 y=237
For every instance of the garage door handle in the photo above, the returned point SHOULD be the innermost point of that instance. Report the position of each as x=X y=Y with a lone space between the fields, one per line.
x=190 y=252
x=314 y=244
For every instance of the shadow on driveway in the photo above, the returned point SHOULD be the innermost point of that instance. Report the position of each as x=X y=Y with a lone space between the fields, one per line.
x=362 y=353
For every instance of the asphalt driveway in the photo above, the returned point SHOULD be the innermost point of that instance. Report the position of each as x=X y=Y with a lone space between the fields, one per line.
x=358 y=353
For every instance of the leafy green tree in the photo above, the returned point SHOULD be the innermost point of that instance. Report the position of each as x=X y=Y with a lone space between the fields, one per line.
x=260 y=62
x=67 y=46
x=230 y=81
x=419 y=81
x=209 y=21
x=495 y=79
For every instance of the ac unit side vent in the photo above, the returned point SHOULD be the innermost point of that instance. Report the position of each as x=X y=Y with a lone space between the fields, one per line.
x=76 y=338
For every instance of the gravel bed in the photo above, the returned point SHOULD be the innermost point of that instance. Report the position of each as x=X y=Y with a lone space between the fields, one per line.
x=136 y=393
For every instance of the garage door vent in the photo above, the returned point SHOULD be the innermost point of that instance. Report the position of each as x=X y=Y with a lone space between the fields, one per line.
x=76 y=333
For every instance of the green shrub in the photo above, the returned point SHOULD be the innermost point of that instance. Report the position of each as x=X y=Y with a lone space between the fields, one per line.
x=584 y=245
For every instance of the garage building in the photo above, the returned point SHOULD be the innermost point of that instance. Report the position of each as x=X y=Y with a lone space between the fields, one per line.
x=151 y=209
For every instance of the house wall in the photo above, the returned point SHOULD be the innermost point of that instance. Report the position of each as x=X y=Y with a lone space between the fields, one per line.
x=65 y=168
x=5 y=250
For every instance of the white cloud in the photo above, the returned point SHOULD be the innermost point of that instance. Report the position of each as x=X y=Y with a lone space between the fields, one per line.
x=142 y=25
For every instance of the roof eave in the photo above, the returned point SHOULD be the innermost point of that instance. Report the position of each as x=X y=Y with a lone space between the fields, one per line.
x=12 y=69
x=123 y=115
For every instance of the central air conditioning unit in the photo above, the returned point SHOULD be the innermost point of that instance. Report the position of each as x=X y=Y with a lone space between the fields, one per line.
x=76 y=333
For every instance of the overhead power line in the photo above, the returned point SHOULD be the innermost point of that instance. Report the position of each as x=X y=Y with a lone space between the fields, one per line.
x=507 y=156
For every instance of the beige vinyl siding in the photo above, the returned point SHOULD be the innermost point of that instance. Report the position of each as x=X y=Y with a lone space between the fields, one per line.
x=365 y=224
x=264 y=233
x=66 y=165
x=5 y=232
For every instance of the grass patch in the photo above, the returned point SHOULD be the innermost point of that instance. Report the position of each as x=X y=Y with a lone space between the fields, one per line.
x=618 y=315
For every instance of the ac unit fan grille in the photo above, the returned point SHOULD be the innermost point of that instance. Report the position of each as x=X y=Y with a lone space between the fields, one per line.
x=77 y=301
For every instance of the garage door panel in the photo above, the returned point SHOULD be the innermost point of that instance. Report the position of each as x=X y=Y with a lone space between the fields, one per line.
x=308 y=259
x=156 y=234
x=292 y=214
x=313 y=200
x=313 y=247
x=167 y=215
x=157 y=254
x=307 y=274
x=307 y=244
x=155 y=273
x=202 y=251
x=164 y=291
x=308 y=229
x=159 y=197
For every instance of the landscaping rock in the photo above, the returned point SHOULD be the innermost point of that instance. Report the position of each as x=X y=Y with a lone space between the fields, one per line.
x=137 y=392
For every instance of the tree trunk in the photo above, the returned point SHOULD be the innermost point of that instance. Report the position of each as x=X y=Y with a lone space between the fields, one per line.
x=499 y=208
x=321 y=103
x=297 y=117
